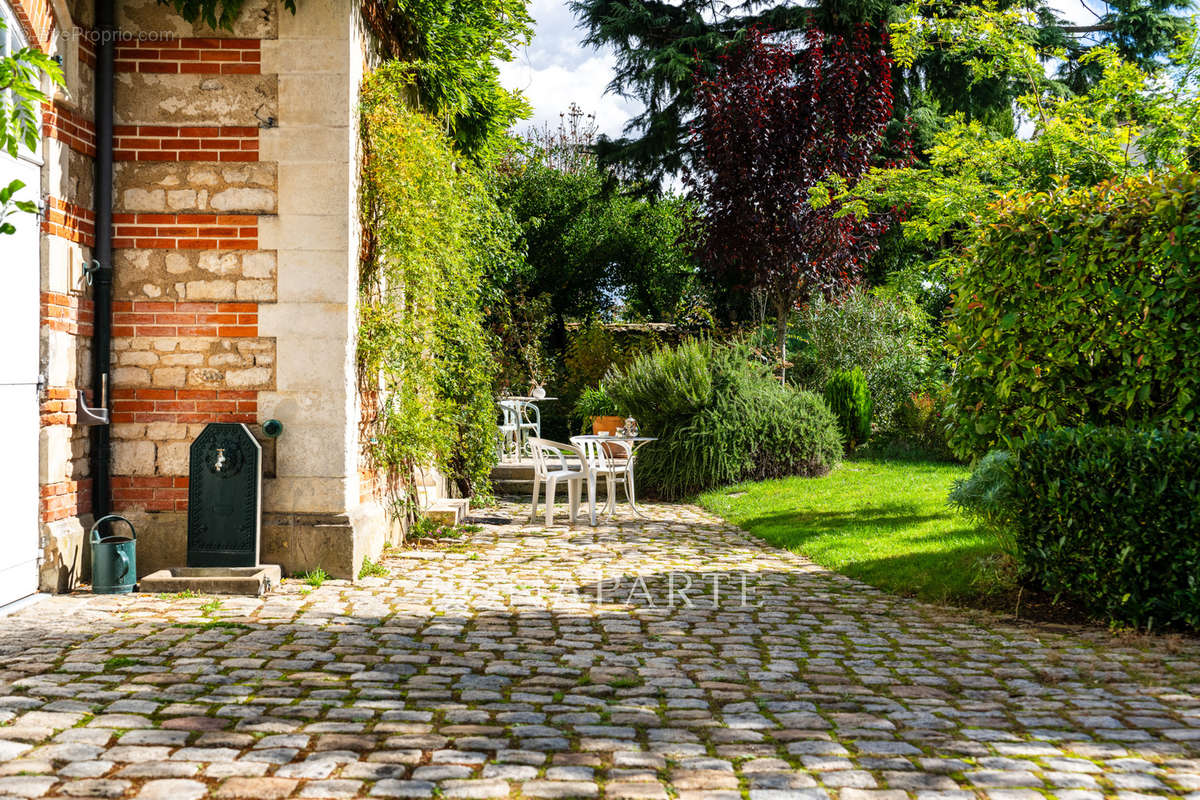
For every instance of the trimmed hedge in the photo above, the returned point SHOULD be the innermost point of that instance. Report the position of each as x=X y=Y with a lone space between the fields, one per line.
x=1079 y=307
x=1111 y=518
x=849 y=399
x=720 y=418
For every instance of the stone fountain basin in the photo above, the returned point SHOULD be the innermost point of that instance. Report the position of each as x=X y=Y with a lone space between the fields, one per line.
x=213 y=580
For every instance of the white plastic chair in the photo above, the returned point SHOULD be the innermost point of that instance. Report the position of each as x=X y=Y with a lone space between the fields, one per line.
x=510 y=431
x=522 y=420
x=549 y=467
x=529 y=421
x=617 y=470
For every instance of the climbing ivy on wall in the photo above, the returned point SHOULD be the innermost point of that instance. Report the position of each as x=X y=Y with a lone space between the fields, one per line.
x=431 y=236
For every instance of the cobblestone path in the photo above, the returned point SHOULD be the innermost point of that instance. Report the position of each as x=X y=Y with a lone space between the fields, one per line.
x=514 y=664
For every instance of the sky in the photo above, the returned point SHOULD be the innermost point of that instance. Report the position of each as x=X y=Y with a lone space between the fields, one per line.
x=556 y=69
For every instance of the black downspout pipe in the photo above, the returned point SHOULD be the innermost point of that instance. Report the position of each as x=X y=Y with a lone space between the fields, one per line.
x=102 y=279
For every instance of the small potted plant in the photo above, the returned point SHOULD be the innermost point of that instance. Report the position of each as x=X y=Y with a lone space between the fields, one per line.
x=595 y=408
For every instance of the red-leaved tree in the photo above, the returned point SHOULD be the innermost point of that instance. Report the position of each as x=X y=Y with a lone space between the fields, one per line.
x=776 y=119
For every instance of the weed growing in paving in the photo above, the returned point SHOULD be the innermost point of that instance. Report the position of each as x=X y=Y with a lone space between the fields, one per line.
x=373 y=569
x=315 y=577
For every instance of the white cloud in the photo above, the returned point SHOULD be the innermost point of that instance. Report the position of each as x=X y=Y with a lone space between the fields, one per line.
x=557 y=70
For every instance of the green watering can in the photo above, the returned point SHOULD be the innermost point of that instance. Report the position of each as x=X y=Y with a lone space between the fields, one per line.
x=114 y=559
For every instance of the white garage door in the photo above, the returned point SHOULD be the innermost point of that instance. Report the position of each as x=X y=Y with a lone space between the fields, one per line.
x=21 y=273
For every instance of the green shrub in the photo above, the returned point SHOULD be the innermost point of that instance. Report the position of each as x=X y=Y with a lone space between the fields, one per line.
x=1109 y=518
x=986 y=497
x=850 y=401
x=919 y=427
x=720 y=418
x=1080 y=307
x=884 y=333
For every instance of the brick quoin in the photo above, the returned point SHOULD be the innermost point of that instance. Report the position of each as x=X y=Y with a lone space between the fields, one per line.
x=187 y=55
x=65 y=499
x=69 y=127
x=69 y=221
x=186 y=231
x=185 y=143
x=67 y=313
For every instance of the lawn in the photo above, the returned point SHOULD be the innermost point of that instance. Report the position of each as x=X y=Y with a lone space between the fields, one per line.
x=883 y=522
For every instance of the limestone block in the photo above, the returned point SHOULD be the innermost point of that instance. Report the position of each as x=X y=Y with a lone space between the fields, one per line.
x=222 y=263
x=258 y=19
x=328 y=55
x=60 y=364
x=128 y=430
x=130 y=376
x=54 y=453
x=305 y=232
x=173 y=458
x=183 y=359
x=137 y=358
x=314 y=188
x=66 y=560
x=315 y=276
x=306 y=494
x=133 y=457
x=297 y=144
x=255 y=377
x=184 y=199
x=210 y=290
x=324 y=18
x=158 y=99
x=169 y=376
x=314 y=99
x=304 y=321
x=62 y=262
x=258 y=265
x=318 y=363
x=143 y=200
x=255 y=290
x=206 y=377
x=162 y=539
x=243 y=200
x=165 y=431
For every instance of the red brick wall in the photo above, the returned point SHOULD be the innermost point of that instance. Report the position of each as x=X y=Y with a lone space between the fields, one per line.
x=186 y=231
x=185 y=143
x=190 y=55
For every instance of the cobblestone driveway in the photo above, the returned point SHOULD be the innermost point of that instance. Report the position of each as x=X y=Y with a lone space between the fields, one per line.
x=495 y=669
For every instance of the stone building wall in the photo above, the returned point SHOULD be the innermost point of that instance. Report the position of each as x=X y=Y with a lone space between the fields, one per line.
x=235 y=274
x=68 y=233
x=236 y=271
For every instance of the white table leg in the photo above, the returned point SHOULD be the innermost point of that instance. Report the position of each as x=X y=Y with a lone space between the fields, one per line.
x=629 y=491
x=591 y=479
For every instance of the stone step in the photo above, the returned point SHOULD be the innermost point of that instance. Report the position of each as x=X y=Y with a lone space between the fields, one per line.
x=449 y=510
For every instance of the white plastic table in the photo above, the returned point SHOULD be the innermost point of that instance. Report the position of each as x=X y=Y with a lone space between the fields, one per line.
x=631 y=445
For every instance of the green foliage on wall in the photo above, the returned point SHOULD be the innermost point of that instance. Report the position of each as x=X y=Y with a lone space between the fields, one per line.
x=1079 y=307
x=432 y=234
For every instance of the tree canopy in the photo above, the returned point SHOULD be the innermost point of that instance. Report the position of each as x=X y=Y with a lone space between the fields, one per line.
x=660 y=45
